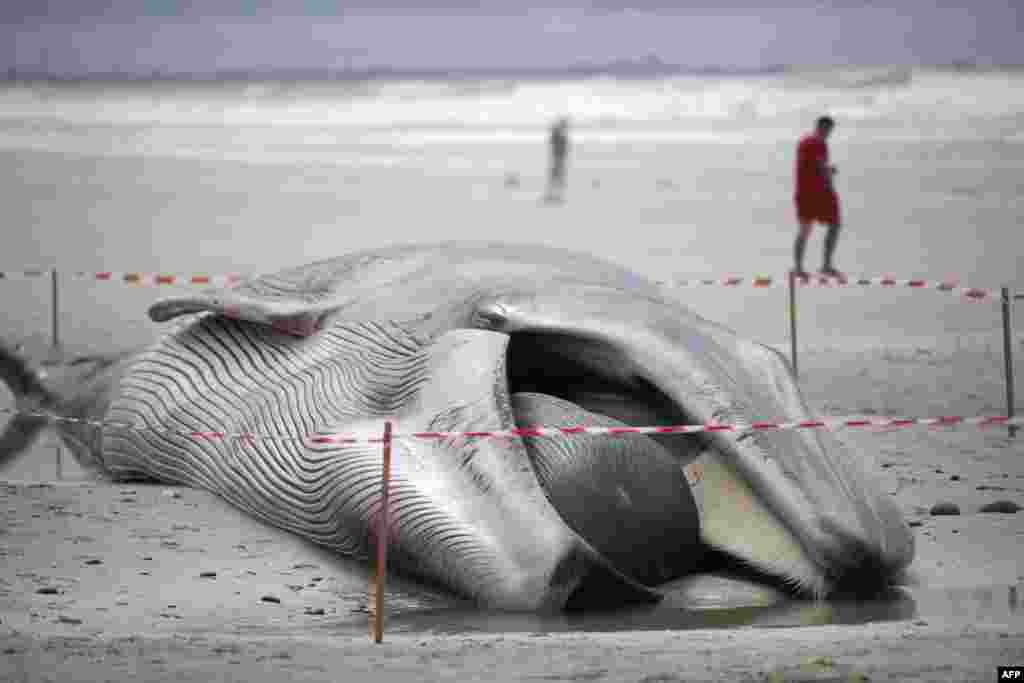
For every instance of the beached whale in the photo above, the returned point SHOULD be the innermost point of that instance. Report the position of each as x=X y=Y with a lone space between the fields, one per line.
x=487 y=336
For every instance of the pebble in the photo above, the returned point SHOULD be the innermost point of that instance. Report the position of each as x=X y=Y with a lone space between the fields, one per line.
x=94 y=561
x=68 y=620
x=315 y=611
x=955 y=477
x=1007 y=506
x=271 y=598
x=48 y=590
x=945 y=509
x=915 y=522
x=207 y=575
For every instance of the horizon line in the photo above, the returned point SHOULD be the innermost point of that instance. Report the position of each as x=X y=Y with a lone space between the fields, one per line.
x=623 y=68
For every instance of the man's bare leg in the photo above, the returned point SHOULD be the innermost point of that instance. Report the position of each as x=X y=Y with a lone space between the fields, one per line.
x=556 y=182
x=799 y=247
x=831 y=240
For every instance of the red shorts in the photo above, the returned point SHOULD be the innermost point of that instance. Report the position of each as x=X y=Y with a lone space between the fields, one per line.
x=818 y=207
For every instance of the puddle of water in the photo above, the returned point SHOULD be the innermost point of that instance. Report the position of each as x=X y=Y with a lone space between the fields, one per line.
x=973 y=605
x=660 y=617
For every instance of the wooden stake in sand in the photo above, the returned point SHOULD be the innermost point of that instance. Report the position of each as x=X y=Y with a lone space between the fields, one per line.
x=377 y=578
x=54 y=316
x=1008 y=358
x=792 y=322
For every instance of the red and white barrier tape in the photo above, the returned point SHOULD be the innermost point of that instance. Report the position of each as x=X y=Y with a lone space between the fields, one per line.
x=163 y=278
x=143 y=279
x=366 y=437
x=951 y=286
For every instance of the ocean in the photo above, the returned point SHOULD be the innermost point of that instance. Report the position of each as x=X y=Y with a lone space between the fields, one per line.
x=675 y=177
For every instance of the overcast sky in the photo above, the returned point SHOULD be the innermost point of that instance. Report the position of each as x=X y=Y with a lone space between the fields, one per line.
x=142 y=36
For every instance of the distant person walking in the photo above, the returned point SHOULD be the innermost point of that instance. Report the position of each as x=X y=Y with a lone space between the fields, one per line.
x=815 y=196
x=559 y=144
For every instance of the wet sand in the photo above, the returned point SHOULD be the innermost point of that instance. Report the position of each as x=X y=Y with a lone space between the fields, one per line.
x=111 y=582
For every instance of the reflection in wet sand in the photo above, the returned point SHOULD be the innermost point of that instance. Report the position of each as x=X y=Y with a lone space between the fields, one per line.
x=722 y=602
x=734 y=605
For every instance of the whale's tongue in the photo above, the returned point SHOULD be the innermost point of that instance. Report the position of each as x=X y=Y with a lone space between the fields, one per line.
x=626 y=495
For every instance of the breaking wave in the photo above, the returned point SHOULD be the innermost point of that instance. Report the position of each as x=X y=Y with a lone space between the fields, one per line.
x=209 y=117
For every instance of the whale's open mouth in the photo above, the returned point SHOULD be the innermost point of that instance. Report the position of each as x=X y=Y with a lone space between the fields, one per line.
x=740 y=528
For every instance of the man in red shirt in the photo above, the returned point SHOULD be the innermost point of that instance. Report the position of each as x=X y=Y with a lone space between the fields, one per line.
x=815 y=197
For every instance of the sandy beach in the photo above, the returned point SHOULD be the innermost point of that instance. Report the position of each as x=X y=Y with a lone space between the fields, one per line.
x=105 y=581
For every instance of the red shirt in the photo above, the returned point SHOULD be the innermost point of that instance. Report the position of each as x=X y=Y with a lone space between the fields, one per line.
x=811 y=153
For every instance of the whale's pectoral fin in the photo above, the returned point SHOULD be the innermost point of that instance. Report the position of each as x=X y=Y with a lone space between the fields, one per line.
x=296 y=301
x=289 y=314
x=299 y=300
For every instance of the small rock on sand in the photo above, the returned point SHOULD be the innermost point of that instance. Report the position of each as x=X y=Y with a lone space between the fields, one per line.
x=945 y=509
x=1007 y=506
x=48 y=590
x=271 y=598
x=207 y=575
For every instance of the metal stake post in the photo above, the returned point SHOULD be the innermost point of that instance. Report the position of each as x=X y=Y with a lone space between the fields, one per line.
x=55 y=314
x=1008 y=358
x=383 y=530
x=792 y=323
